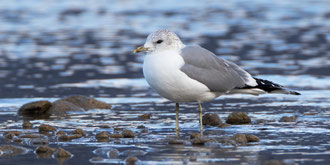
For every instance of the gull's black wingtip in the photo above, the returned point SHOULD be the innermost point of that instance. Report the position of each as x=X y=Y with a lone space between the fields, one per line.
x=295 y=93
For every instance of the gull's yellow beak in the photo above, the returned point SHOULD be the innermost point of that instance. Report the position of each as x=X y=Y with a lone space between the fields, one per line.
x=140 y=49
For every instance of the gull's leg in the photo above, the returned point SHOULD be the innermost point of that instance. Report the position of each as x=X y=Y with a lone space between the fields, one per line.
x=177 y=120
x=201 y=117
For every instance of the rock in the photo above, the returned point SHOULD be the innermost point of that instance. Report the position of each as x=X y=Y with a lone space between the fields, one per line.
x=118 y=129
x=35 y=108
x=9 y=135
x=17 y=140
x=223 y=125
x=113 y=153
x=175 y=141
x=145 y=116
x=80 y=132
x=59 y=133
x=27 y=125
x=16 y=133
x=46 y=128
x=65 y=138
x=288 y=119
x=240 y=138
x=238 y=118
x=102 y=134
x=141 y=127
x=252 y=138
x=39 y=141
x=200 y=140
x=60 y=153
x=117 y=135
x=31 y=136
x=11 y=150
x=87 y=103
x=45 y=149
x=61 y=107
x=211 y=119
x=194 y=135
x=128 y=134
x=144 y=131
x=132 y=160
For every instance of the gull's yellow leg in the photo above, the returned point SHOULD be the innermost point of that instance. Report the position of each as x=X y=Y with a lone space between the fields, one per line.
x=201 y=117
x=177 y=120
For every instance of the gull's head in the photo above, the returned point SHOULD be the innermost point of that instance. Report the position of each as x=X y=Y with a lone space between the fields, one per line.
x=161 y=40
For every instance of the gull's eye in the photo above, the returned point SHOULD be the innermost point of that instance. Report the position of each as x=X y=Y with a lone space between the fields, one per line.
x=159 y=41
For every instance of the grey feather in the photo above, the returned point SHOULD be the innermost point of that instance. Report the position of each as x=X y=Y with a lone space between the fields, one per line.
x=217 y=74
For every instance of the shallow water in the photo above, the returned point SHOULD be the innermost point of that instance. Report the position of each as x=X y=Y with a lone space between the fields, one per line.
x=54 y=49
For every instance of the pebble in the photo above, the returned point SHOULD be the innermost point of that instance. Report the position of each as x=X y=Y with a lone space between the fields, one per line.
x=45 y=149
x=79 y=132
x=113 y=153
x=35 y=108
x=238 y=118
x=60 y=153
x=211 y=119
x=47 y=128
x=288 y=119
x=117 y=135
x=145 y=116
x=27 y=125
x=132 y=160
x=128 y=134
x=194 y=135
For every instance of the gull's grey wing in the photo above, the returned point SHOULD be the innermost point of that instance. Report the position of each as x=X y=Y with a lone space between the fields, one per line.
x=217 y=74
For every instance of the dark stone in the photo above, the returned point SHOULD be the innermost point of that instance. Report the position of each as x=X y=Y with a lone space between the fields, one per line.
x=194 y=135
x=132 y=160
x=45 y=149
x=79 y=132
x=200 y=140
x=211 y=119
x=128 y=134
x=10 y=150
x=113 y=153
x=252 y=138
x=175 y=141
x=27 y=125
x=62 y=153
x=35 y=108
x=87 y=103
x=288 y=119
x=240 y=138
x=238 y=118
x=117 y=135
x=145 y=116
x=61 y=107
x=46 y=128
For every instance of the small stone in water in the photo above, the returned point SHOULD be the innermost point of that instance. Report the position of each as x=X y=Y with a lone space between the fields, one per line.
x=47 y=128
x=79 y=131
x=211 y=119
x=288 y=119
x=62 y=153
x=145 y=116
x=238 y=118
x=128 y=134
x=131 y=160
x=27 y=125
x=117 y=135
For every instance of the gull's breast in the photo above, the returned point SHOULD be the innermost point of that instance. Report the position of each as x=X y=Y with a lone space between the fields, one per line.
x=163 y=74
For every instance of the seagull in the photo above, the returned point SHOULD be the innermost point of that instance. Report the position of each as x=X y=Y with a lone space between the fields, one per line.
x=189 y=73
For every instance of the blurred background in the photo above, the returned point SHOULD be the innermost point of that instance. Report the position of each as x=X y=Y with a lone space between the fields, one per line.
x=56 y=48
